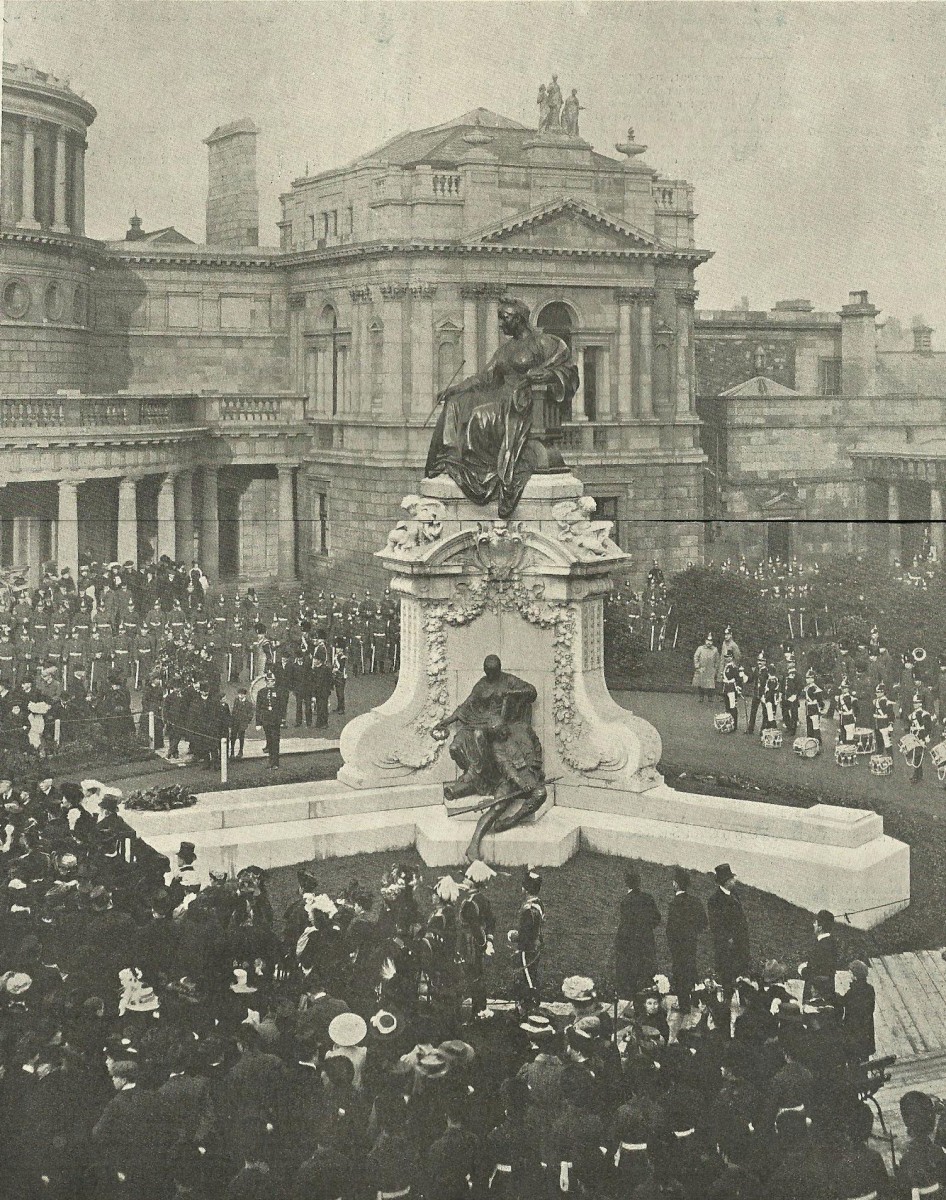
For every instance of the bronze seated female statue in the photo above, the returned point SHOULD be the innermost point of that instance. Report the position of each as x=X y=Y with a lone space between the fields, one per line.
x=481 y=439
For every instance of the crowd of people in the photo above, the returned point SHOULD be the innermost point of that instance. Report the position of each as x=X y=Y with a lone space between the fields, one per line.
x=869 y=692
x=163 y=1033
x=76 y=653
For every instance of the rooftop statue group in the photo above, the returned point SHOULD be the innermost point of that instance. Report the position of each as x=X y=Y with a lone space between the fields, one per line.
x=554 y=115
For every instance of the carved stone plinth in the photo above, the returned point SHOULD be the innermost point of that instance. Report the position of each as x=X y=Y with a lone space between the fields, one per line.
x=531 y=590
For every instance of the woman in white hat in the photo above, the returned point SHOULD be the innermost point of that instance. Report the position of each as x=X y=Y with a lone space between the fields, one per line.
x=348 y=1031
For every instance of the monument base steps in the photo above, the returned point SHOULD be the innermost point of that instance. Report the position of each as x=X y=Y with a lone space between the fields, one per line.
x=822 y=857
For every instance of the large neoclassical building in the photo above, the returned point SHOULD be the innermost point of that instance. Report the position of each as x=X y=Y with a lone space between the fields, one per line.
x=266 y=408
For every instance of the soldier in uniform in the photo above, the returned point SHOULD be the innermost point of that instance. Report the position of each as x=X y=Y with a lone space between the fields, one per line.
x=733 y=679
x=756 y=685
x=791 y=695
x=322 y=681
x=339 y=672
x=300 y=678
x=477 y=927
x=378 y=639
x=847 y=718
x=884 y=712
x=921 y=726
x=814 y=702
x=771 y=699
x=526 y=943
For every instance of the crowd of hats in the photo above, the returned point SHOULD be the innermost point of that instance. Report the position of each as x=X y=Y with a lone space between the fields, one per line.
x=163 y=1033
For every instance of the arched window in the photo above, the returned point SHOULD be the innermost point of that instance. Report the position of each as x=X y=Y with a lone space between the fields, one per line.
x=556 y=318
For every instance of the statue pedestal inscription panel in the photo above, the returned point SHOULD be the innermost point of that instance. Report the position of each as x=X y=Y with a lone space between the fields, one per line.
x=530 y=590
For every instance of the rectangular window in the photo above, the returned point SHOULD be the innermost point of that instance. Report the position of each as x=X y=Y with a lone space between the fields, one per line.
x=590 y=382
x=325 y=224
x=829 y=377
x=322 y=540
x=183 y=311
x=311 y=227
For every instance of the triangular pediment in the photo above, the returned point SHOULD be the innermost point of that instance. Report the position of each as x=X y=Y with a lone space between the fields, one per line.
x=570 y=224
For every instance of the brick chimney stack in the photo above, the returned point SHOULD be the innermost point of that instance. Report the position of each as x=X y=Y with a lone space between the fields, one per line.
x=922 y=339
x=232 y=192
x=859 y=346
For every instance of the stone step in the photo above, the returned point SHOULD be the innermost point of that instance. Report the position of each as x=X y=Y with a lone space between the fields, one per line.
x=285 y=843
x=289 y=802
x=548 y=842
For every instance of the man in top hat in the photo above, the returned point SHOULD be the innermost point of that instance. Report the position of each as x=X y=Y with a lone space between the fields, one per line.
x=526 y=943
x=729 y=930
x=635 y=950
x=686 y=923
x=757 y=680
x=269 y=714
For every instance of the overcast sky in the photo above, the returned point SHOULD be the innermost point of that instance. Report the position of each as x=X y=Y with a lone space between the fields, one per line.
x=814 y=133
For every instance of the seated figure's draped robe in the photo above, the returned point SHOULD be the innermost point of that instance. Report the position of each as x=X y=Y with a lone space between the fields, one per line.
x=500 y=765
x=480 y=439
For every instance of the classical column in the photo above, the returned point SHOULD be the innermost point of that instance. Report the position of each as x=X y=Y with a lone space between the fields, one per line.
x=645 y=352
x=894 y=533
x=184 y=517
x=420 y=399
x=470 y=343
x=491 y=328
x=127 y=520
x=625 y=398
x=28 y=216
x=78 y=191
x=33 y=555
x=67 y=527
x=166 y=524
x=210 y=526
x=936 y=521
x=60 y=216
x=686 y=384
x=287 y=523
x=578 y=400
x=393 y=348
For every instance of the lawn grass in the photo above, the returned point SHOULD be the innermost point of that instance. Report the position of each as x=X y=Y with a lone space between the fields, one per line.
x=581 y=902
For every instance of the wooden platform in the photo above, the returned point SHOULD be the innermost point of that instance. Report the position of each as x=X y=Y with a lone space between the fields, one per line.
x=910 y=1019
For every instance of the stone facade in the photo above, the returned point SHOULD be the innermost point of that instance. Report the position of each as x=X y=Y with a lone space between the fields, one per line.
x=325 y=356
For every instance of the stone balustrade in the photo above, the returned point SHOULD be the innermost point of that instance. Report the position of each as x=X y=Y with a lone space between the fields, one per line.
x=167 y=411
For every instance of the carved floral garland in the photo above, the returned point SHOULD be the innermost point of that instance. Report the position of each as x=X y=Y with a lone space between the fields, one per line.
x=495 y=595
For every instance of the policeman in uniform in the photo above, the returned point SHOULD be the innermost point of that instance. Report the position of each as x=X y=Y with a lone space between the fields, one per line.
x=269 y=714
x=526 y=943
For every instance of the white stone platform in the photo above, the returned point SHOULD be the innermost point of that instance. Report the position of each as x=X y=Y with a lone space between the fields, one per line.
x=821 y=857
x=253 y=749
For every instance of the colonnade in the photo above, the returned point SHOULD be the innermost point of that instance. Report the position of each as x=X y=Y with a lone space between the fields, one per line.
x=184 y=531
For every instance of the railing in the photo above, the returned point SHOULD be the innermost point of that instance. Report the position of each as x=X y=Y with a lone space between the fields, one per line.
x=168 y=411
x=446 y=185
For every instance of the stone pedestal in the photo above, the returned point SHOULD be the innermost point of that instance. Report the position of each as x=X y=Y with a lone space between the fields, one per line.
x=531 y=590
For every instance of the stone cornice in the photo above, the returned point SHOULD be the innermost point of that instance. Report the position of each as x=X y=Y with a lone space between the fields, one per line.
x=373 y=250
x=482 y=291
x=635 y=295
x=56 y=241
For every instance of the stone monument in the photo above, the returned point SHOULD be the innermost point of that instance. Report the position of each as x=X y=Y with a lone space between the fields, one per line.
x=502 y=570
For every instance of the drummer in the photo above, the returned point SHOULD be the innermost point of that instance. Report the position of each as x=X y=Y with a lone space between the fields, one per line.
x=847 y=717
x=733 y=678
x=921 y=726
x=883 y=714
x=814 y=705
